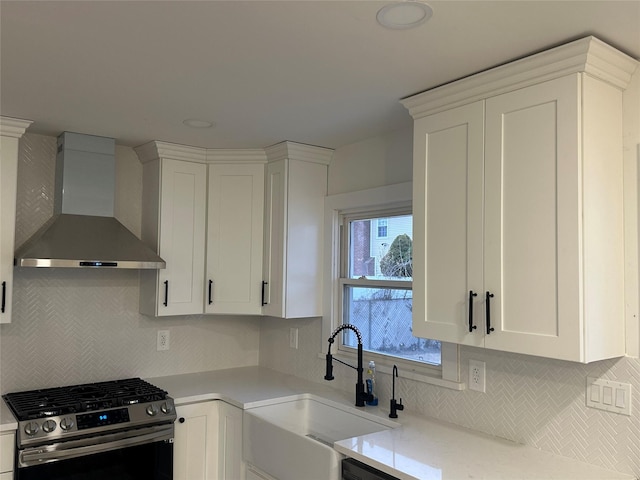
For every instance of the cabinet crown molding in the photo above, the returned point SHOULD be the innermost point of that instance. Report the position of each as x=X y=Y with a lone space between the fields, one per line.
x=589 y=55
x=299 y=151
x=13 y=127
x=248 y=155
x=155 y=149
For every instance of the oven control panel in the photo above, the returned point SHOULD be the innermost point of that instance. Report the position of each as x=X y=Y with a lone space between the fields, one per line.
x=99 y=419
x=79 y=424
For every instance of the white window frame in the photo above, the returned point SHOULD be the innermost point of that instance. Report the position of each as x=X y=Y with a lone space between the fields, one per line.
x=386 y=197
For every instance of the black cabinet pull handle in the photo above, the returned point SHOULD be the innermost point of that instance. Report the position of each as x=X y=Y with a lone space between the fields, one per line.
x=263 y=284
x=210 y=288
x=166 y=293
x=472 y=294
x=488 y=305
x=4 y=296
x=181 y=419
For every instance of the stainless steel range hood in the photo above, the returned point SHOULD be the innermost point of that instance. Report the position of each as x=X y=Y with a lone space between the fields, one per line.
x=83 y=232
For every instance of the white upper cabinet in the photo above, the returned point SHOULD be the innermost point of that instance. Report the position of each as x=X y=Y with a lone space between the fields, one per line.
x=296 y=184
x=174 y=224
x=234 y=234
x=11 y=129
x=518 y=206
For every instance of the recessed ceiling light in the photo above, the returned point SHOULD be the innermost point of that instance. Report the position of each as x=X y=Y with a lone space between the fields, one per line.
x=404 y=14
x=197 y=123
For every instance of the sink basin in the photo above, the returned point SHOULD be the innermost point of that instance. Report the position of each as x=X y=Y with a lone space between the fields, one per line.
x=294 y=439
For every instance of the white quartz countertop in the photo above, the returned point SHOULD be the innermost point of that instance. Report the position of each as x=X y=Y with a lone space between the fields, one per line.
x=7 y=421
x=418 y=449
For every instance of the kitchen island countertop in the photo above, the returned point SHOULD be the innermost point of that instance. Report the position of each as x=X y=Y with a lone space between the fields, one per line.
x=419 y=448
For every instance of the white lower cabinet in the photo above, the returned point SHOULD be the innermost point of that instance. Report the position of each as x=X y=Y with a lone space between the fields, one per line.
x=7 y=449
x=195 y=448
x=208 y=442
x=230 y=442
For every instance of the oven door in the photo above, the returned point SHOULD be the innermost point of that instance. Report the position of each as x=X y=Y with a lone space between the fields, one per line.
x=138 y=454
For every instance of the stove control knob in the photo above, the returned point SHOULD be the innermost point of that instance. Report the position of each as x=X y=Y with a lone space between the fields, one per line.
x=166 y=408
x=49 y=426
x=152 y=409
x=31 y=428
x=66 y=423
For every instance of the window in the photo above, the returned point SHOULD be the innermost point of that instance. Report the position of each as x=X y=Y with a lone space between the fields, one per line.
x=350 y=278
x=375 y=285
x=382 y=227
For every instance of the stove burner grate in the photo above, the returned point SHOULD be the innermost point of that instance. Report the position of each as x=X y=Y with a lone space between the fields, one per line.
x=58 y=401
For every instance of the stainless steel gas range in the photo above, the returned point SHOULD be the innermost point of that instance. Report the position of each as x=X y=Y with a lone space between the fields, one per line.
x=121 y=429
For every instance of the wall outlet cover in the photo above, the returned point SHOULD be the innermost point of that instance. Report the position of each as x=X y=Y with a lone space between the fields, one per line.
x=162 y=340
x=477 y=376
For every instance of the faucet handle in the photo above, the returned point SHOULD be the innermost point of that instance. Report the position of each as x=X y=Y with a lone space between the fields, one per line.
x=395 y=406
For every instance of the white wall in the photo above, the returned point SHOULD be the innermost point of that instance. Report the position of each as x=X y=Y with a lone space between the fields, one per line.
x=373 y=162
x=82 y=325
x=529 y=400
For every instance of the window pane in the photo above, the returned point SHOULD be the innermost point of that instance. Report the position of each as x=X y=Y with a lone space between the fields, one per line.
x=383 y=316
x=382 y=227
x=381 y=248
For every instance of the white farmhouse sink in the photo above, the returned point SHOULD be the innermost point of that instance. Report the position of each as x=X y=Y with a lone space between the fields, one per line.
x=294 y=439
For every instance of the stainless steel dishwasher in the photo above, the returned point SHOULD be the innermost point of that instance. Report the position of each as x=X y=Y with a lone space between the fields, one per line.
x=355 y=470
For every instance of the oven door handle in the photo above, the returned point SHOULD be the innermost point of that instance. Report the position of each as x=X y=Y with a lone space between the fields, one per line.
x=87 y=446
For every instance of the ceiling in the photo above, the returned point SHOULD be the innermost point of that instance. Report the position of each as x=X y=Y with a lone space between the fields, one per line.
x=315 y=72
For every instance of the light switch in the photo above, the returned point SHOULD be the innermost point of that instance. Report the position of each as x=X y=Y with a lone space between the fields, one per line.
x=595 y=393
x=608 y=395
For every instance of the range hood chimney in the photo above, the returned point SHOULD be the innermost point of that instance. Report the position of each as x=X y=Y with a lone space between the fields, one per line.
x=83 y=232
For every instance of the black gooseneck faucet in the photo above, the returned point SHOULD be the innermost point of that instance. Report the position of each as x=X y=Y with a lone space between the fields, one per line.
x=361 y=395
x=395 y=406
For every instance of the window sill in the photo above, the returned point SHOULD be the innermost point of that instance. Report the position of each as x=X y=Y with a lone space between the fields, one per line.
x=410 y=374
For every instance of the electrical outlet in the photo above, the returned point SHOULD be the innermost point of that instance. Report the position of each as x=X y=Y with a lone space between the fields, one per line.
x=477 y=380
x=163 y=340
x=293 y=338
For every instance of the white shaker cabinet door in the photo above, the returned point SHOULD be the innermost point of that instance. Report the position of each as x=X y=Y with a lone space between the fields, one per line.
x=174 y=219
x=447 y=224
x=234 y=239
x=230 y=442
x=531 y=232
x=553 y=220
x=8 y=179
x=182 y=236
x=195 y=447
x=11 y=130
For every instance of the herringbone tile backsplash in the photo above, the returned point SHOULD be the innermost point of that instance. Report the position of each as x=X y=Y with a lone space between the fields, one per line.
x=82 y=325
